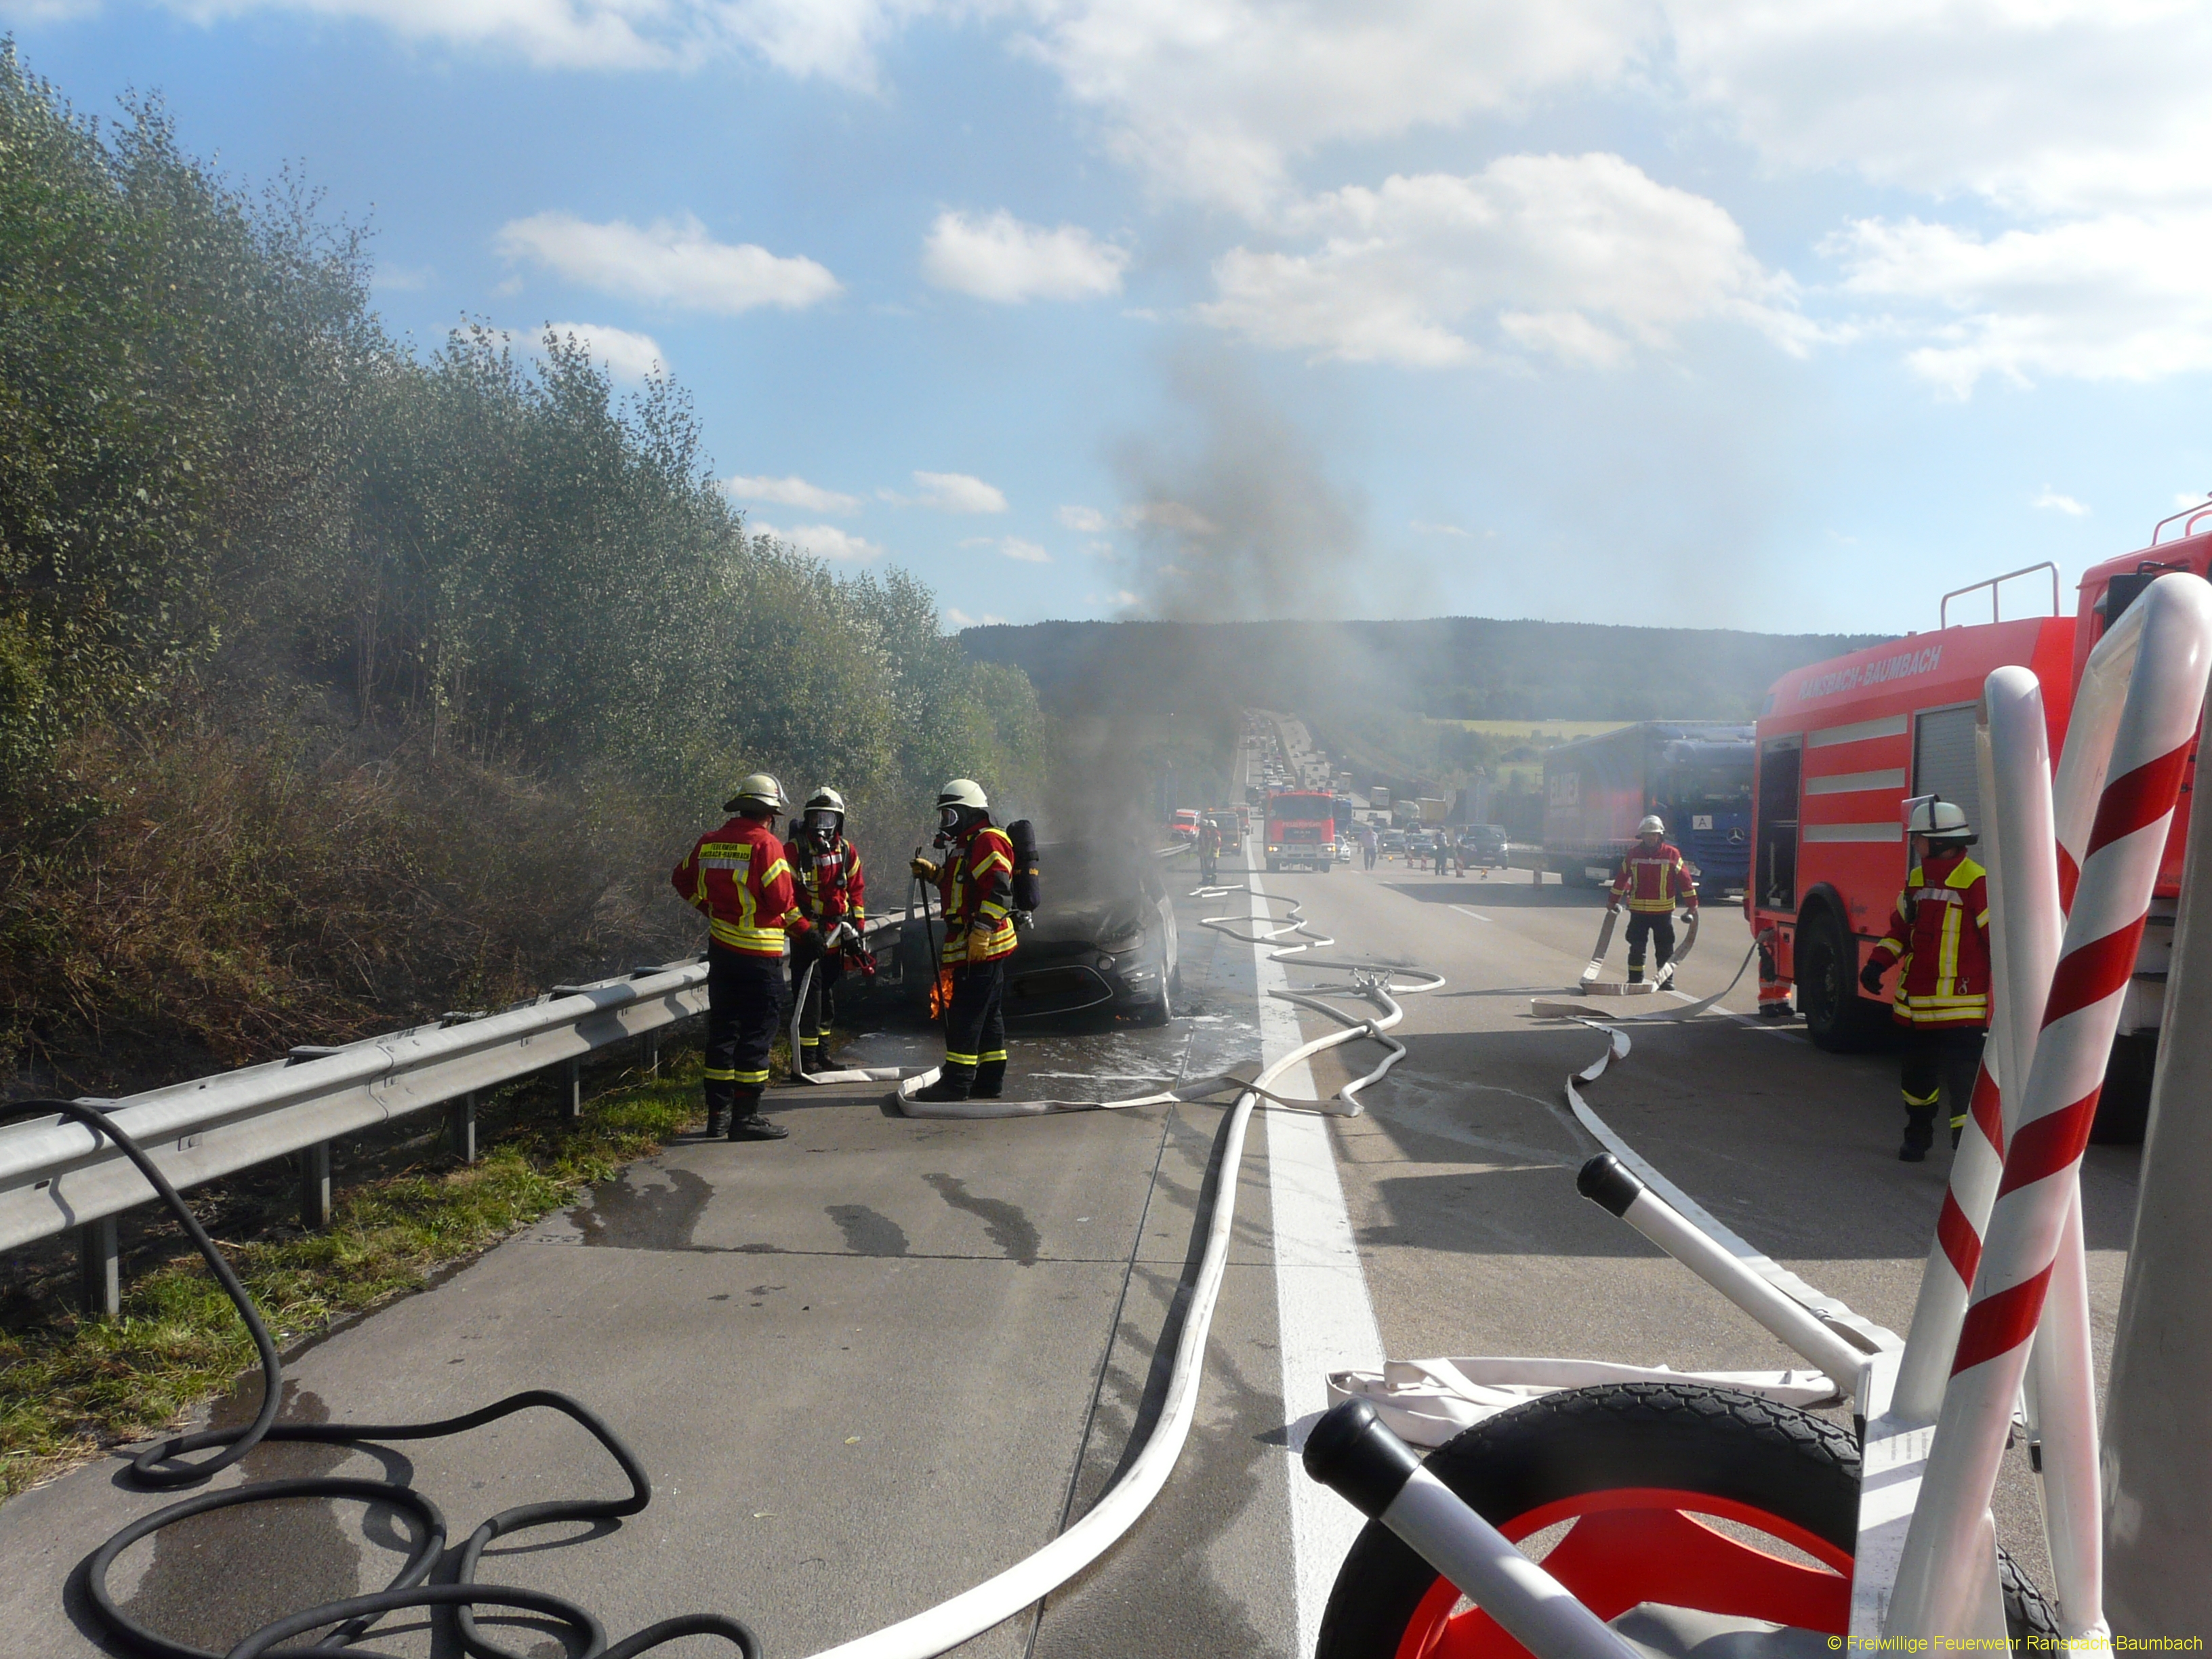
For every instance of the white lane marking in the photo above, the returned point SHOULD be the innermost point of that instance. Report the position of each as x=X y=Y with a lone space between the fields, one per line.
x=1324 y=1317
x=1464 y=911
x=1747 y=1020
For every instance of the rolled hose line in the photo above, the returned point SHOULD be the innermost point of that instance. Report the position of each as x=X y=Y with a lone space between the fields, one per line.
x=924 y=1635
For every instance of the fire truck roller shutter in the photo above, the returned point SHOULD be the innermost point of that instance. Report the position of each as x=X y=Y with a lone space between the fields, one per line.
x=1943 y=758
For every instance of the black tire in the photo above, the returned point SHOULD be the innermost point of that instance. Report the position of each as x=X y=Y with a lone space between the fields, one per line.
x=1160 y=1010
x=1837 y=1018
x=1676 y=1437
x=1748 y=1455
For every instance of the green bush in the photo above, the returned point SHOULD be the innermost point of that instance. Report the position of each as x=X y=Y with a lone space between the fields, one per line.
x=340 y=683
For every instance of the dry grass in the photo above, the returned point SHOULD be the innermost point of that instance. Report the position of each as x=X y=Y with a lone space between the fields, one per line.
x=235 y=895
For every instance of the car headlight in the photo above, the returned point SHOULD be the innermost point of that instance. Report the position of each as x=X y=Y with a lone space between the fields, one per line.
x=1115 y=944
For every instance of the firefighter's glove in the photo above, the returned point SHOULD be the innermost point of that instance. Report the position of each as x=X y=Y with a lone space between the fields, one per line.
x=1871 y=976
x=923 y=868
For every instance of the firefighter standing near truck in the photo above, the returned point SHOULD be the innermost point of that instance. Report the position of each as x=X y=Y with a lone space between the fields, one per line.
x=975 y=887
x=1940 y=932
x=1652 y=879
x=833 y=892
x=740 y=877
x=1209 y=850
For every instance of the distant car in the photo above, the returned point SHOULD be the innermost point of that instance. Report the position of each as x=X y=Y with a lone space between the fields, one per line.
x=1394 y=841
x=1486 y=844
x=1184 y=825
x=1344 y=851
x=1104 y=938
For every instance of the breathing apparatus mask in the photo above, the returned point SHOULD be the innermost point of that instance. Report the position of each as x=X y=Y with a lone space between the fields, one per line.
x=821 y=825
x=950 y=819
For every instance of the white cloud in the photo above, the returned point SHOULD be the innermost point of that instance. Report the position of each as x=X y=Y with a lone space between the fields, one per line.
x=1088 y=519
x=1003 y=260
x=960 y=618
x=670 y=262
x=1582 y=258
x=2074 y=105
x=951 y=492
x=823 y=541
x=791 y=491
x=2114 y=298
x=626 y=355
x=2052 y=501
x=1026 y=552
x=1215 y=98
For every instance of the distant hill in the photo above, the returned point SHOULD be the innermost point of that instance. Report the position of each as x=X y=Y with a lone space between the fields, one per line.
x=1455 y=667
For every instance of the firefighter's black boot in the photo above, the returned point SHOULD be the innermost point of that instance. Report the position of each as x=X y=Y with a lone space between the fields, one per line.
x=990 y=1080
x=952 y=1084
x=718 y=1122
x=1636 y=973
x=1919 y=1127
x=811 y=1059
x=747 y=1124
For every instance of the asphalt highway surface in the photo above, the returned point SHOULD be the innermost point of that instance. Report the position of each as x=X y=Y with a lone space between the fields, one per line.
x=873 y=1364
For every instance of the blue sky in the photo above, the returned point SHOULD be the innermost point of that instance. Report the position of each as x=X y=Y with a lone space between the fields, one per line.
x=1632 y=311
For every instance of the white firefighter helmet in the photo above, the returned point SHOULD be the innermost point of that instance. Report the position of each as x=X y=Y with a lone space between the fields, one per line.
x=757 y=793
x=1653 y=825
x=825 y=799
x=965 y=793
x=1940 y=821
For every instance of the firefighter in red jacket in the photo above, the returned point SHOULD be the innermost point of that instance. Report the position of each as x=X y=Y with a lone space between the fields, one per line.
x=1940 y=932
x=833 y=893
x=739 y=877
x=976 y=885
x=1652 y=879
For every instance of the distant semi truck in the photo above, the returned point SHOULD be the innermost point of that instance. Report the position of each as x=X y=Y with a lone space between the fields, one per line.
x=1696 y=774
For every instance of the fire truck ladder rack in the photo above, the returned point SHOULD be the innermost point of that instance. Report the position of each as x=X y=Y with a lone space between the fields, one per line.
x=1943 y=611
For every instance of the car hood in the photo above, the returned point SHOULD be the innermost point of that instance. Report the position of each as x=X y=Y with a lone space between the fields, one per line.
x=1087 y=920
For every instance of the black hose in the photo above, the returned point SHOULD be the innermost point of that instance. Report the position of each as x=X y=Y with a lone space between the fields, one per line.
x=160 y=1469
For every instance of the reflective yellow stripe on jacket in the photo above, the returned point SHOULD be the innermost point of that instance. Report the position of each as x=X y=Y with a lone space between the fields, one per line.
x=745 y=933
x=1946 y=1004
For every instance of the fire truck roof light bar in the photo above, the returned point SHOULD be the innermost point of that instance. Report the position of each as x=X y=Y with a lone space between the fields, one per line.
x=1943 y=611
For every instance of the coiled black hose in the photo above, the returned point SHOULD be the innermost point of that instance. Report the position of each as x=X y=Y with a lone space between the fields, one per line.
x=162 y=1468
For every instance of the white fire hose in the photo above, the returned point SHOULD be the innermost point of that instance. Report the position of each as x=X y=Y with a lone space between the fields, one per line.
x=1036 y=1576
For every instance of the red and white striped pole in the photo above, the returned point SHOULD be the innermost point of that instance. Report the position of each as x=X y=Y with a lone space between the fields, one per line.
x=2013 y=746
x=1944 y=1569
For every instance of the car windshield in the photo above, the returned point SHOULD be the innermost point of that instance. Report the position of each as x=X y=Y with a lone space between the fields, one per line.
x=1084 y=872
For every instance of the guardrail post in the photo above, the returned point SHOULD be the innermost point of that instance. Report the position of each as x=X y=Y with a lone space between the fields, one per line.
x=100 y=1281
x=653 y=1054
x=461 y=1127
x=574 y=1108
x=315 y=1187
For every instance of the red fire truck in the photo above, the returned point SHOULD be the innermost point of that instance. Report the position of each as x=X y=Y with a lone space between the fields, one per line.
x=1300 y=829
x=1843 y=743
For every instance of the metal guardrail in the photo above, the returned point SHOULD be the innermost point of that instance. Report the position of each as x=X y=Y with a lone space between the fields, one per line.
x=55 y=1176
